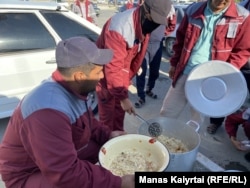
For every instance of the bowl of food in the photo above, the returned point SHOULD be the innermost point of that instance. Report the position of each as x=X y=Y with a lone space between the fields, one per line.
x=132 y=153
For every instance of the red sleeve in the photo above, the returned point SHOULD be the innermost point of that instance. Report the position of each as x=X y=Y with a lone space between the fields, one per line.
x=180 y=38
x=232 y=123
x=125 y=63
x=241 y=46
x=117 y=71
x=49 y=143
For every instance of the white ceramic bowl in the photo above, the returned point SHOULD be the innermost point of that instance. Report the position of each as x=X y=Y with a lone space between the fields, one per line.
x=151 y=149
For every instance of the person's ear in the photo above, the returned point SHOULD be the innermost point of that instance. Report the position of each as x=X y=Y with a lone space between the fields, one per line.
x=79 y=76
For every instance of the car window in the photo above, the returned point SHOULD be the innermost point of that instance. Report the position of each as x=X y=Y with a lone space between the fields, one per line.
x=66 y=28
x=23 y=31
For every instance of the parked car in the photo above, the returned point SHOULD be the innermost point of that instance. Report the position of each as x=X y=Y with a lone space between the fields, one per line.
x=170 y=39
x=29 y=34
x=62 y=2
x=116 y=2
x=111 y=3
x=101 y=1
x=123 y=7
x=121 y=2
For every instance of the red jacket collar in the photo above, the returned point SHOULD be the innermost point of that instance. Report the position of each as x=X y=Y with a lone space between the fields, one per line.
x=230 y=12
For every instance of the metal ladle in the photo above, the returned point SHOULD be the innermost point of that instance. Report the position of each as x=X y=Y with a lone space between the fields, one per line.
x=154 y=129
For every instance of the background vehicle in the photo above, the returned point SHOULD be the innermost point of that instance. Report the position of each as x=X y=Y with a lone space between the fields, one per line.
x=116 y=2
x=62 y=2
x=122 y=8
x=111 y=3
x=121 y=2
x=170 y=39
x=101 y=1
x=29 y=34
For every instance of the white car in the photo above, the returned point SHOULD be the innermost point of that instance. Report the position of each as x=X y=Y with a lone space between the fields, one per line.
x=29 y=33
x=170 y=39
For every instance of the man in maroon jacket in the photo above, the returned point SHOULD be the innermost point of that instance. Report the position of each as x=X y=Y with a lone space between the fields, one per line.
x=210 y=30
x=236 y=119
x=127 y=33
x=215 y=123
x=232 y=123
x=53 y=139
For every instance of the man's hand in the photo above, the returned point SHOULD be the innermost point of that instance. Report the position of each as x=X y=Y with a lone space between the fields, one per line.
x=237 y=144
x=128 y=181
x=171 y=72
x=127 y=106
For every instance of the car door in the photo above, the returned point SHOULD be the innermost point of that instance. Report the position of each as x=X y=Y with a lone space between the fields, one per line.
x=27 y=49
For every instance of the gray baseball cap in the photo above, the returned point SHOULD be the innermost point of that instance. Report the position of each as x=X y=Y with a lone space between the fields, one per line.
x=159 y=10
x=78 y=51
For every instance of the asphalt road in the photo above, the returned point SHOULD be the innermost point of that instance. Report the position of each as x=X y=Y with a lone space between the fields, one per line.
x=216 y=148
